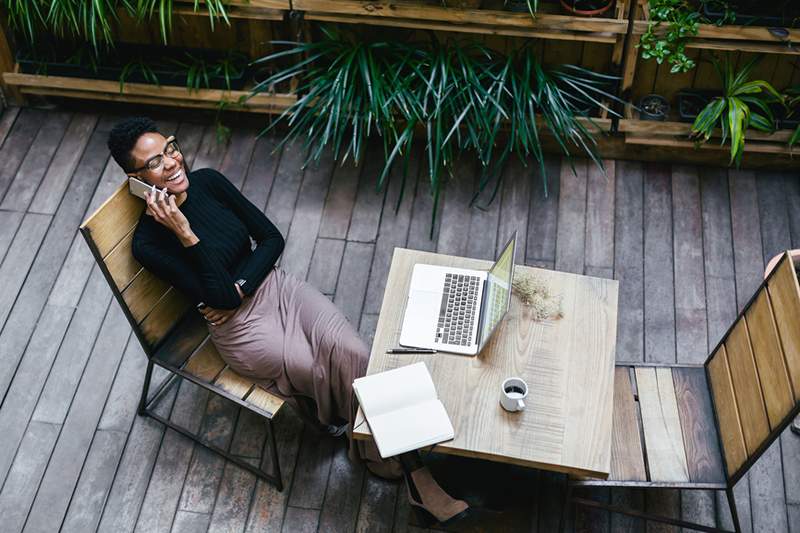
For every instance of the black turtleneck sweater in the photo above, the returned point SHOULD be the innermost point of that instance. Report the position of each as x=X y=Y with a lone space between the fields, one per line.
x=224 y=221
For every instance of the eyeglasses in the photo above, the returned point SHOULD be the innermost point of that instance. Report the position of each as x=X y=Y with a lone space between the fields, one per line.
x=155 y=163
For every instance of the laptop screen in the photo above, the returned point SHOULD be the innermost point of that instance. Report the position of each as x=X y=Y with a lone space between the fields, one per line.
x=498 y=291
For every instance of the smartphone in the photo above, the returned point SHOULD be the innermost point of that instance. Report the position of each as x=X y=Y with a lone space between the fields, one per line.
x=138 y=188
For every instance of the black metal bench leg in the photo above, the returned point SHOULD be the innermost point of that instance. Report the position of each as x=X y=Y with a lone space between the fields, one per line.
x=276 y=466
x=148 y=375
x=734 y=514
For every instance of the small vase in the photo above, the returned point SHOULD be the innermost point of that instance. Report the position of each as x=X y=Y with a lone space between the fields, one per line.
x=653 y=107
x=578 y=7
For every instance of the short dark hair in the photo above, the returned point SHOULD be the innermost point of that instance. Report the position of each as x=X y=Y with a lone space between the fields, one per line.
x=123 y=137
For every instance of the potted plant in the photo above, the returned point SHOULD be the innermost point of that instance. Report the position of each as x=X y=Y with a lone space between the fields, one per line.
x=587 y=8
x=682 y=20
x=653 y=107
x=522 y=6
x=791 y=113
x=692 y=101
x=752 y=12
x=743 y=104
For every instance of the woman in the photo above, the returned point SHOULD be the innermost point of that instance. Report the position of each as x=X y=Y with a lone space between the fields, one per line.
x=266 y=324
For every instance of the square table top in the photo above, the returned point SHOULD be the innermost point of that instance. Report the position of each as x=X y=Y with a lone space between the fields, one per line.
x=568 y=364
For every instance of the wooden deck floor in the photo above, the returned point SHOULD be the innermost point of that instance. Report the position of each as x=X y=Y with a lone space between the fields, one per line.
x=688 y=245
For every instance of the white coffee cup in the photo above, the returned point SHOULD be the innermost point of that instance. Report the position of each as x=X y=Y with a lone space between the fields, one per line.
x=513 y=393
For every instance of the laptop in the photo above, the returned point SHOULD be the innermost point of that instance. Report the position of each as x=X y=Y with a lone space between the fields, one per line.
x=455 y=309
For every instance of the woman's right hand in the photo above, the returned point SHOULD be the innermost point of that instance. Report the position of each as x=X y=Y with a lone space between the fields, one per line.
x=162 y=207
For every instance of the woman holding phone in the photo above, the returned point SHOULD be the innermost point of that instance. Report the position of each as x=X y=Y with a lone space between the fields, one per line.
x=266 y=324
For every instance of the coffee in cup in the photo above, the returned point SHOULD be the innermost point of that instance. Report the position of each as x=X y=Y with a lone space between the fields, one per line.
x=513 y=393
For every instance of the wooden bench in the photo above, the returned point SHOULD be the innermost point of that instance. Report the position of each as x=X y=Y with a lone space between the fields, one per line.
x=172 y=333
x=703 y=427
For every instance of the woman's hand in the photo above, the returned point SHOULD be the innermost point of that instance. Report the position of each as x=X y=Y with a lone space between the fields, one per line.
x=162 y=207
x=216 y=317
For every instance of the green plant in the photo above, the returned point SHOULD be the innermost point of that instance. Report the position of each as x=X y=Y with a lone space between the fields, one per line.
x=94 y=20
x=134 y=66
x=792 y=99
x=743 y=104
x=682 y=20
x=458 y=98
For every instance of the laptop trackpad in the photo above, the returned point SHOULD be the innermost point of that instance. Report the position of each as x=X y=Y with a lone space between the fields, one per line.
x=419 y=322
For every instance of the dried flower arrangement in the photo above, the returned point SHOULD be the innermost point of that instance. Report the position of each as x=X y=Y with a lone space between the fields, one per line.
x=533 y=291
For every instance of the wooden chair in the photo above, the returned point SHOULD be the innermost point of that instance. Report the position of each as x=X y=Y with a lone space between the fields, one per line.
x=172 y=333
x=704 y=426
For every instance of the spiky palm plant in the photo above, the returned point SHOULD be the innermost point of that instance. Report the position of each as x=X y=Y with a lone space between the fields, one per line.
x=743 y=104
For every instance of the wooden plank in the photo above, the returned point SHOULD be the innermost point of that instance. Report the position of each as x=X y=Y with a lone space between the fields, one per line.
x=19 y=259
x=23 y=479
x=571 y=217
x=718 y=253
x=325 y=264
x=773 y=213
x=233 y=499
x=21 y=190
x=121 y=264
x=785 y=297
x=340 y=508
x=659 y=292
x=515 y=203
x=233 y=383
x=237 y=157
x=262 y=170
x=20 y=399
x=164 y=316
x=601 y=188
x=484 y=218
x=663 y=436
x=299 y=520
x=189 y=522
x=456 y=211
x=351 y=288
x=302 y=234
x=340 y=201
x=134 y=470
x=17 y=144
x=423 y=232
x=627 y=455
x=393 y=230
x=122 y=404
x=629 y=259
x=746 y=229
x=9 y=223
x=494 y=18
x=749 y=399
x=114 y=219
x=769 y=360
x=311 y=472
x=7 y=118
x=690 y=288
x=143 y=294
x=74 y=352
x=206 y=363
x=377 y=505
x=703 y=454
x=366 y=214
x=142 y=92
x=282 y=199
x=211 y=151
x=188 y=336
x=268 y=505
x=65 y=464
x=95 y=481
x=267 y=402
x=65 y=161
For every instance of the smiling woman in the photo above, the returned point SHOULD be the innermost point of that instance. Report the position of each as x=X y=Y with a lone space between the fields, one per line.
x=266 y=324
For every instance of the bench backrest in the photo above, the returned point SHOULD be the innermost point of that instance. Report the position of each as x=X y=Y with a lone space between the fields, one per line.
x=755 y=371
x=152 y=306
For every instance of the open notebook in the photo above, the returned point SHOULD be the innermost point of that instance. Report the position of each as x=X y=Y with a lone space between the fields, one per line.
x=402 y=409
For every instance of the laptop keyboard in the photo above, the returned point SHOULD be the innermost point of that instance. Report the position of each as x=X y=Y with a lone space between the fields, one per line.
x=457 y=313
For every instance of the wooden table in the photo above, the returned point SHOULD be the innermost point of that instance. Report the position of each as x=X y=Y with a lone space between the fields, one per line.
x=568 y=364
